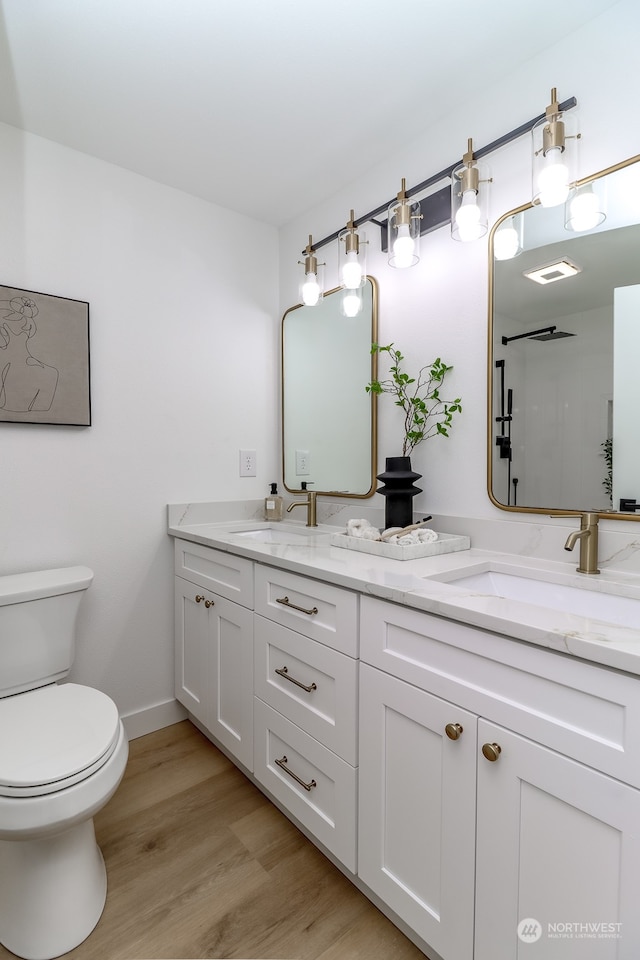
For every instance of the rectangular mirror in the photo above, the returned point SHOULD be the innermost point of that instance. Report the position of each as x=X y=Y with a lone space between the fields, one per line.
x=564 y=346
x=328 y=418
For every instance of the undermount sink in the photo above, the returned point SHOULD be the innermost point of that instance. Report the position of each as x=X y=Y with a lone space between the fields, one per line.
x=589 y=600
x=278 y=534
x=259 y=531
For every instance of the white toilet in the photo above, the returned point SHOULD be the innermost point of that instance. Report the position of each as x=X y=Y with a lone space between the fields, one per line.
x=63 y=752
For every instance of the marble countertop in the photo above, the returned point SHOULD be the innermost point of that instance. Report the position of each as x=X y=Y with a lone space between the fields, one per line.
x=407 y=583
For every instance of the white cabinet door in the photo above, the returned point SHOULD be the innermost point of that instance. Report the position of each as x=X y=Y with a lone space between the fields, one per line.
x=231 y=631
x=214 y=666
x=558 y=857
x=417 y=804
x=192 y=650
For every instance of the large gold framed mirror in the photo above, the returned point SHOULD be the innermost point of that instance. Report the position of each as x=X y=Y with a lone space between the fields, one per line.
x=564 y=354
x=329 y=426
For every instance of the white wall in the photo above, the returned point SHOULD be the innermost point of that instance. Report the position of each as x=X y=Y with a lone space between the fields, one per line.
x=184 y=339
x=440 y=306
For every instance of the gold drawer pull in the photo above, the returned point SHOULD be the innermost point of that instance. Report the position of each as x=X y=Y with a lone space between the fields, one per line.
x=287 y=603
x=454 y=730
x=199 y=598
x=283 y=764
x=283 y=672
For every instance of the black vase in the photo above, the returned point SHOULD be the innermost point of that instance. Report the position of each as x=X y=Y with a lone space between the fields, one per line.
x=399 y=491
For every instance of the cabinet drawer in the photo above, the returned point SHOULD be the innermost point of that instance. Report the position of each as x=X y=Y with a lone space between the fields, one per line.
x=579 y=709
x=321 y=795
x=308 y=683
x=317 y=610
x=215 y=570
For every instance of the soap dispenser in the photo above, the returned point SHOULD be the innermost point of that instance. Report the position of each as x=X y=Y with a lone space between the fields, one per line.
x=273 y=504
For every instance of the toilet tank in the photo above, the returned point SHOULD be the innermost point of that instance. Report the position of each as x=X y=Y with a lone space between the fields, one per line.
x=38 y=613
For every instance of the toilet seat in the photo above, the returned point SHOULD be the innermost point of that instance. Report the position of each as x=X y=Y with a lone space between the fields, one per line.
x=53 y=737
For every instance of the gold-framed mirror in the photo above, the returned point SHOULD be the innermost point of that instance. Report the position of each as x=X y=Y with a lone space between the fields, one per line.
x=329 y=421
x=564 y=355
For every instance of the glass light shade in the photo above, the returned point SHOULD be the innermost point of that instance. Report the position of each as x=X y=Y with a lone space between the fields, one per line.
x=469 y=202
x=584 y=209
x=351 y=301
x=403 y=233
x=507 y=239
x=555 y=148
x=352 y=261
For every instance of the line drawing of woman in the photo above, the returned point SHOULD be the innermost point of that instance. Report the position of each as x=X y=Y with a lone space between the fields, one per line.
x=26 y=383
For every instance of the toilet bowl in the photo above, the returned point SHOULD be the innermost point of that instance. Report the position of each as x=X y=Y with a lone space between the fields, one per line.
x=63 y=753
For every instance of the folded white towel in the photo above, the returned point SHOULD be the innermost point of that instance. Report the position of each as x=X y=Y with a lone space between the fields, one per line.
x=370 y=533
x=427 y=536
x=362 y=529
x=415 y=536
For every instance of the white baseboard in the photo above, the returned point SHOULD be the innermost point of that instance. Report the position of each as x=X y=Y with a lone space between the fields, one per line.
x=153 y=718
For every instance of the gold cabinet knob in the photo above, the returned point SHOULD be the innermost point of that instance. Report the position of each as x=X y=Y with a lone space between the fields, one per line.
x=199 y=598
x=208 y=603
x=453 y=730
x=491 y=751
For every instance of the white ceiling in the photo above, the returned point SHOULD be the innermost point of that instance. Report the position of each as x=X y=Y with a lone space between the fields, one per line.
x=263 y=106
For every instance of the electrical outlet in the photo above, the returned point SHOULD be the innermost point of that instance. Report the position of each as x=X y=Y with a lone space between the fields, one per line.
x=247 y=463
x=302 y=463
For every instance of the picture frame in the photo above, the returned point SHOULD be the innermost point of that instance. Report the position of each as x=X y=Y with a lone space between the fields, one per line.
x=44 y=358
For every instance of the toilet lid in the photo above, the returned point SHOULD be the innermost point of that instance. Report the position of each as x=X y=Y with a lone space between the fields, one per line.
x=53 y=737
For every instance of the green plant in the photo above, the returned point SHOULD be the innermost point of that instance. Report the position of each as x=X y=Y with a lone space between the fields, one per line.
x=426 y=414
x=607 y=453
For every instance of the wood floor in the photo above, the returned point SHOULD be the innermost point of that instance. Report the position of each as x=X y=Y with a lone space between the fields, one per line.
x=202 y=865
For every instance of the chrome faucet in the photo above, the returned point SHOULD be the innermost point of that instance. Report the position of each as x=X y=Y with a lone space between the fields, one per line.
x=588 y=537
x=309 y=503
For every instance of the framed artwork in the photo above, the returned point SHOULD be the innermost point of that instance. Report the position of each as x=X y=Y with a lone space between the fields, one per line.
x=44 y=358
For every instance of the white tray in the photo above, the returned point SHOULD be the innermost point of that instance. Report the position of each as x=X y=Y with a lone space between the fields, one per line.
x=446 y=543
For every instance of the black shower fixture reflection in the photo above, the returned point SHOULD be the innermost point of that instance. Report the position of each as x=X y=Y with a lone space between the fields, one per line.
x=503 y=440
x=545 y=333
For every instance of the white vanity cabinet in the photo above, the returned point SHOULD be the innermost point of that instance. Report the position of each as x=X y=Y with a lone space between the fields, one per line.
x=530 y=812
x=214 y=644
x=305 y=711
x=485 y=790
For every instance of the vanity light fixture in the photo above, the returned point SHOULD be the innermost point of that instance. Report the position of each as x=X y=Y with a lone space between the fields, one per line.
x=311 y=286
x=351 y=257
x=408 y=220
x=555 y=140
x=404 y=230
x=352 y=268
x=584 y=209
x=551 y=272
x=507 y=240
x=469 y=218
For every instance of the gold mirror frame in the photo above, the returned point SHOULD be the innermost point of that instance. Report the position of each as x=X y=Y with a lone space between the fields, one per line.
x=320 y=404
x=491 y=369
